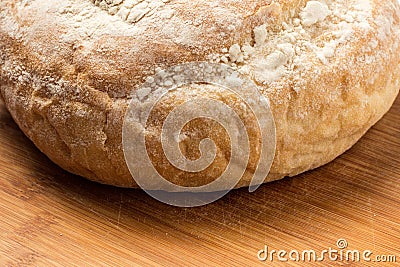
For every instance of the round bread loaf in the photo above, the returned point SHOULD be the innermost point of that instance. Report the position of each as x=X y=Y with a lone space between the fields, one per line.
x=69 y=68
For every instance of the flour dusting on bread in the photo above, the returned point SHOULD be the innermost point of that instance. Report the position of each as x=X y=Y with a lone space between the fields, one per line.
x=130 y=11
x=318 y=31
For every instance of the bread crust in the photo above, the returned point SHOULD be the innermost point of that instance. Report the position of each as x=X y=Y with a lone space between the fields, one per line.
x=66 y=77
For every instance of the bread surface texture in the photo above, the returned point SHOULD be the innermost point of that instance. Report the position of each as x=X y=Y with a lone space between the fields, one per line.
x=330 y=70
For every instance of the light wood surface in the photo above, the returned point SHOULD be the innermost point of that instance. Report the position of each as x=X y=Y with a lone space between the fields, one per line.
x=49 y=217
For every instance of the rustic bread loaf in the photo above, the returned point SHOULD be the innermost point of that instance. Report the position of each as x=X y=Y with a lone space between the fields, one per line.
x=330 y=70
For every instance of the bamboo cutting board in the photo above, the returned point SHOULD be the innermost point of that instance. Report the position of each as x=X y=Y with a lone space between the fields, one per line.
x=51 y=218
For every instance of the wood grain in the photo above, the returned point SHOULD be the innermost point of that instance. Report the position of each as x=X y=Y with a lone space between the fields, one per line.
x=51 y=218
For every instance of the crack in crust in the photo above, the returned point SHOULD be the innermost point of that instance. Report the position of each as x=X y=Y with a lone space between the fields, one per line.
x=130 y=11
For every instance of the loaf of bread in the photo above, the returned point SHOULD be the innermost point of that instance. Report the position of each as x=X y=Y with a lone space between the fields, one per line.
x=329 y=68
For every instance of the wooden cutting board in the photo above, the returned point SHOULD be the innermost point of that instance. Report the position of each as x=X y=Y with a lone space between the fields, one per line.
x=49 y=217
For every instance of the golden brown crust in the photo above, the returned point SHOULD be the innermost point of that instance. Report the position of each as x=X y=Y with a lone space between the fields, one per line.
x=68 y=69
